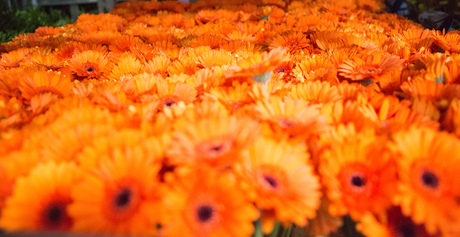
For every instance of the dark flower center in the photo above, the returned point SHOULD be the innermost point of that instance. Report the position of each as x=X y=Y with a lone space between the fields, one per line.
x=54 y=214
x=169 y=103
x=406 y=231
x=358 y=181
x=205 y=213
x=89 y=69
x=271 y=181
x=216 y=148
x=123 y=198
x=429 y=179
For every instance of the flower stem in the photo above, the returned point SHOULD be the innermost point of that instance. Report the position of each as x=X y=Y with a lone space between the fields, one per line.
x=258 y=229
x=276 y=230
x=287 y=231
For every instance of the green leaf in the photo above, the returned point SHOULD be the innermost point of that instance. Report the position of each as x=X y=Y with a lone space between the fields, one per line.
x=264 y=18
x=439 y=79
x=3 y=117
x=263 y=77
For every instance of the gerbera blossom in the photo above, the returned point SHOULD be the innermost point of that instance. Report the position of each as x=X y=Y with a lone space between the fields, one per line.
x=203 y=202
x=448 y=42
x=121 y=195
x=391 y=223
x=316 y=92
x=295 y=117
x=14 y=58
x=158 y=66
x=213 y=141
x=127 y=66
x=358 y=174
x=215 y=58
x=427 y=162
x=45 y=82
x=452 y=70
x=371 y=66
x=311 y=68
x=291 y=191
x=9 y=83
x=47 y=60
x=235 y=97
x=40 y=200
x=171 y=93
x=88 y=65
x=324 y=223
x=290 y=40
x=185 y=65
x=258 y=64
x=208 y=39
x=451 y=120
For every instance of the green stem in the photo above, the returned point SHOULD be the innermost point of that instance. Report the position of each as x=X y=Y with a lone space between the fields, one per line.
x=258 y=229
x=287 y=231
x=276 y=230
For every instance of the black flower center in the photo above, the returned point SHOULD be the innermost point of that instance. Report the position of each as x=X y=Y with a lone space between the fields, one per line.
x=358 y=181
x=169 y=103
x=216 y=148
x=205 y=213
x=54 y=214
x=89 y=69
x=123 y=198
x=406 y=231
x=429 y=179
x=271 y=181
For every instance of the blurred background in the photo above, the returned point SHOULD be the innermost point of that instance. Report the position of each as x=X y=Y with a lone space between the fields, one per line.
x=24 y=16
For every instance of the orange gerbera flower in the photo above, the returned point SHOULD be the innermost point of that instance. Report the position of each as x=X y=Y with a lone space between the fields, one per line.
x=121 y=194
x=210 y=59
x=316 y=92
x=329 y=40
x=372 y=66
x=448 y=42
x=208 y=39
x=259 y=63
x=427 y=162
x=39 y=201
x=14 y=58
x=170 y=94
x=158 y=66
x=88 y=64
x=324 y=223
x=441 y=93
x=45 y=82
x=205 y=203
x=291 y=191
x=126 y=67
x=451 y=120
x=144 y=85
x=9 y=83
x=292 y=41
x=311 y=68
x=47 y=61
x=416 y=38
x=295 y=117
x=213 y=141
x=70 y=132
x=452 y=70
x=392 y=223
x=185 y=65
x=358 y=173
x=234 y=97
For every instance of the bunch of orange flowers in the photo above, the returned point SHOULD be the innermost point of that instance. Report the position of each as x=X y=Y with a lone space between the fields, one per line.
x=232 y=118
